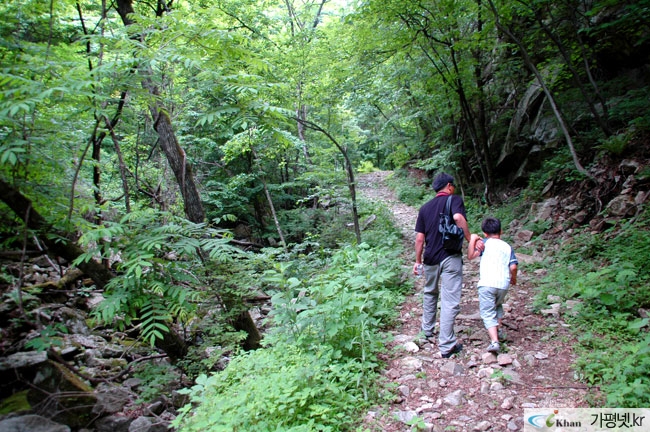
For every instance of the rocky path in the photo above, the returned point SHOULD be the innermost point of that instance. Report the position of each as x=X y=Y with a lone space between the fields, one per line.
x=475 y=390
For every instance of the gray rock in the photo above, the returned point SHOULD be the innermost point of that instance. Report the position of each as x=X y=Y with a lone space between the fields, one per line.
x=529 y=359
x=407 y=377
x=411 y=364
x=141 y=424
x=485 y=372
x=156 y=407
x=405 y=416
x=507 y=403
x=524 y=236
x=482 y=426
x=629 y=166
x=512 y=376
x=488 y=358
x=504 y=359
x=553 y=309
x=132 y=383
x=90 y=341
x=571 y=306
x=496 y=386
x=455 y=398
x=31 y=423
x=401 y=339
x=179 y=400
x=110 y=400
x=22 y=360
x=411 y=347
x=452 y=368
x=424 y=408
x=621 y=206
x=113 y=423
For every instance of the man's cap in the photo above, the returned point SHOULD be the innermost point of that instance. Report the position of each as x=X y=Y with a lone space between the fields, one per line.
x=441 y=181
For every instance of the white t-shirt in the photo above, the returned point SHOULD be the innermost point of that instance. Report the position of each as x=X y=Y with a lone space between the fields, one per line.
x=495 y=264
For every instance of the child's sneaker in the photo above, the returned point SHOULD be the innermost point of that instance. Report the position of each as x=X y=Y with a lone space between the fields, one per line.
x=494 y=347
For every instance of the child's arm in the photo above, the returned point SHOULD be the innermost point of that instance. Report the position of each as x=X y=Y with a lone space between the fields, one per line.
x=472 y=251
x=513 y=274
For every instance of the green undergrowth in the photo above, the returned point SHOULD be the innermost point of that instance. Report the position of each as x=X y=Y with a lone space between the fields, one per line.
x=319 y=367
x=607 y=274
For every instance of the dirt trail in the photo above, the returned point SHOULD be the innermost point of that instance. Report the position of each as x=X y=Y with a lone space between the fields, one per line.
x=472 y=391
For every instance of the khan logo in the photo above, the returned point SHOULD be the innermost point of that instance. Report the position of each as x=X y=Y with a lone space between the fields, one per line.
x=542 y=420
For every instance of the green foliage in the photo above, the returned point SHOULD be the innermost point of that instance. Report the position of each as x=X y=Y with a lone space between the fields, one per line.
x=417 y=424
x=47 y=338
x=340 y=306
x=366 y=167
x=277 y=388
x=539 y=226
x=158 y=258
x=615 y=144
x=231 y=78
x=441 y=160
x=381 y=232
x=156 y=379
x=608 y=275
x=16 y=403
x=318 y=369
x=558 y=168
x=499 y=376
x=408 y=190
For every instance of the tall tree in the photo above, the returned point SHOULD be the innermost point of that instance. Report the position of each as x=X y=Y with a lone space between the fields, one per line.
x=162 y=123
x=302 y=24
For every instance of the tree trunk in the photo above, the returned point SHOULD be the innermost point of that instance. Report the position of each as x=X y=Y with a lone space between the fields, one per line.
x=19 y=203
x=181 y=168
x=270 y=201
x=349 y=171
x=275 y=216
x=178 y=162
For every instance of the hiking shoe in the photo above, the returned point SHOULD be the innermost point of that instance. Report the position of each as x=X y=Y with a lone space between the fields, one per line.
x=494 y=347
x=456 y=349
x=429 y=335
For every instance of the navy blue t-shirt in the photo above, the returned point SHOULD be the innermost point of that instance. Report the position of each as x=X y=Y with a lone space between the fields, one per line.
x=427 y=223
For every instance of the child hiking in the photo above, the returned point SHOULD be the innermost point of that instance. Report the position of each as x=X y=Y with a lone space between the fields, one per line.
x=498 y=270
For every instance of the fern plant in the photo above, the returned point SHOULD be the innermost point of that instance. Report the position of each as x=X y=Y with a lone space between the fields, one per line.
x=319 y=365
x=157 y=257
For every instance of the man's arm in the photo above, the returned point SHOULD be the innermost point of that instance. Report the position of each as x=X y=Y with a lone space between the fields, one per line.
x=460 y=221
x=419 y=248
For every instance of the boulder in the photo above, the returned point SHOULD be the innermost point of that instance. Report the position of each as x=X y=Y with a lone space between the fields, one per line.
x=61 y=395
x=31 y=423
